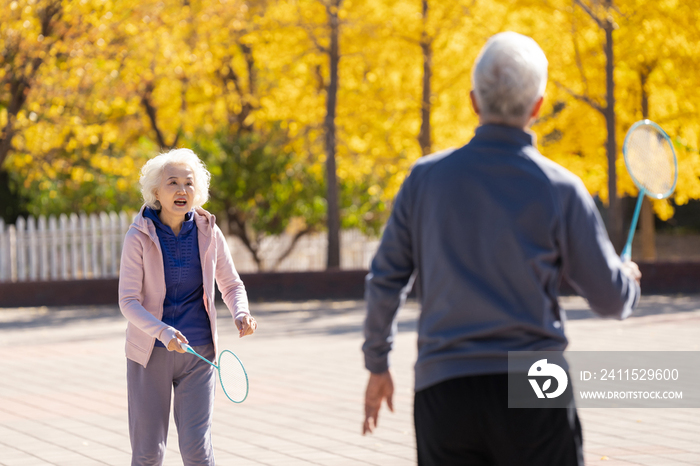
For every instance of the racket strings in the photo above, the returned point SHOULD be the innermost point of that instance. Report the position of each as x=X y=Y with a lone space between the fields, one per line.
x=233 y=377
x=651 y=161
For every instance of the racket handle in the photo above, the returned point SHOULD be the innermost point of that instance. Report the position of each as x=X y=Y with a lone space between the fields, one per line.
x=189 y=349
x=626 y=255
x=627 y=250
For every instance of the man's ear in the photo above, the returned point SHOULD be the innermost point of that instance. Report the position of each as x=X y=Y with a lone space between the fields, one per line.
x=536 y=109
x=475 y=106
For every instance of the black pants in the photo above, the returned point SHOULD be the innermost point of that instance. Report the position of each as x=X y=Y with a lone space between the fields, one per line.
x=466 y=421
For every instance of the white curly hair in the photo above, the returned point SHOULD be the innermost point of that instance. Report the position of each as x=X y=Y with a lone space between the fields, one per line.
x=152 y=173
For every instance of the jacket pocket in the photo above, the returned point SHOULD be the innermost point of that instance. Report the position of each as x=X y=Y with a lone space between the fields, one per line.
x=137 y=338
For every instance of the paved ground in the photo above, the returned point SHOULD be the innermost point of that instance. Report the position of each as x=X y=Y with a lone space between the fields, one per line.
x=63 y=396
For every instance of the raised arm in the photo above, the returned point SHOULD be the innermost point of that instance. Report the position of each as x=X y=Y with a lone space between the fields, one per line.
x=590 y=262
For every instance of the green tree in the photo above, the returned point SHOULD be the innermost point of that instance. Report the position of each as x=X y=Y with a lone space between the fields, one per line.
x=261 y=188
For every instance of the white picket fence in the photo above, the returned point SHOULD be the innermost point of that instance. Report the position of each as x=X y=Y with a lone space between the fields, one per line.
x=71 y=247
x=79 y=247
x=357 y=250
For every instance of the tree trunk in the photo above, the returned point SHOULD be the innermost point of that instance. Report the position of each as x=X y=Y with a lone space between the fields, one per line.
x=614 y=213
x=237 y=227
x=647 y=220
x=152 y=111
x=333 y=212
x=426 y=45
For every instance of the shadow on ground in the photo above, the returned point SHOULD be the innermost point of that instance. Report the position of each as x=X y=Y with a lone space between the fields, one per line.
x=308 y=317
x=39 y=317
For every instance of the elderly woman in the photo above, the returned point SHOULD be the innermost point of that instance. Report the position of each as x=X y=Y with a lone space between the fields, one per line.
x=172 y=254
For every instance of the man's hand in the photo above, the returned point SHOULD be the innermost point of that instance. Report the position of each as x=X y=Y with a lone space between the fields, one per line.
x=174 y=344
x=631 y=269
x=379 y=387
x=246 y=325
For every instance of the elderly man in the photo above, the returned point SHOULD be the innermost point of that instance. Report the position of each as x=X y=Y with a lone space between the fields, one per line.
x=489 y=230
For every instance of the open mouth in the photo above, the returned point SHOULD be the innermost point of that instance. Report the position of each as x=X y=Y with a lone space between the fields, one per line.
x=180 y=202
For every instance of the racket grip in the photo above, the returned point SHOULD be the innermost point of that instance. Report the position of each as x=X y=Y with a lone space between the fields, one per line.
x=627 y=250
x=625 y=256
x=189 y=349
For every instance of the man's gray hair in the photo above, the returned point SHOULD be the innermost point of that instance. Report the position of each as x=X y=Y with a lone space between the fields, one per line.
x=509 y=77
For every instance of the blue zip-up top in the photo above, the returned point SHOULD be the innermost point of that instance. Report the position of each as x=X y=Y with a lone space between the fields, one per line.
x=183 y=307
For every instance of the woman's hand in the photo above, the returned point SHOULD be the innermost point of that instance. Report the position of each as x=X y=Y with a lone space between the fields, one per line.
x=174 y=344
x=246 y=325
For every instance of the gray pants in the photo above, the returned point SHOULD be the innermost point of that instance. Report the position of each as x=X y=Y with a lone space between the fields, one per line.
x=193 y=383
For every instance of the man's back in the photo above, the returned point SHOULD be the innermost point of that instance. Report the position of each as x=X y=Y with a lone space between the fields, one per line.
x=490 y=228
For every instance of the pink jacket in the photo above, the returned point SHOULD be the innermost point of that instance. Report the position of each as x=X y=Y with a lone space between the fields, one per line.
x=142 y=283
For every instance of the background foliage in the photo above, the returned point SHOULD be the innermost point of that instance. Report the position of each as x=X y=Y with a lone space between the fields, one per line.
x=90 y=89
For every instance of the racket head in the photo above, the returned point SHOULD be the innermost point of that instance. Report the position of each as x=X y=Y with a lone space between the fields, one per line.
x=233 y=377
x=650 y=159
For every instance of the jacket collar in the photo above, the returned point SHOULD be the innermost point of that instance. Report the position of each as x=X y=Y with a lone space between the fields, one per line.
x=205 y=226
x=154 y=215
x=505 y=135
x=145 y=225
x=205 y=223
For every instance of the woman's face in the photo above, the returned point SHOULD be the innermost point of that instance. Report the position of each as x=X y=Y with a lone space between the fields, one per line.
x=176 y=191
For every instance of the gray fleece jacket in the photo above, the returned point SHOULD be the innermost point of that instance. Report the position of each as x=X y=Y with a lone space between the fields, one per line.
x=488 y=231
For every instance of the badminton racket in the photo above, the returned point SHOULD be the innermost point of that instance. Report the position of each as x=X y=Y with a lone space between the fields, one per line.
x=232 y=374
x=651 y=162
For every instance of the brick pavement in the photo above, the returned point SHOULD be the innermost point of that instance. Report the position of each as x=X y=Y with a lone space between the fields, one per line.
x=63 y=395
